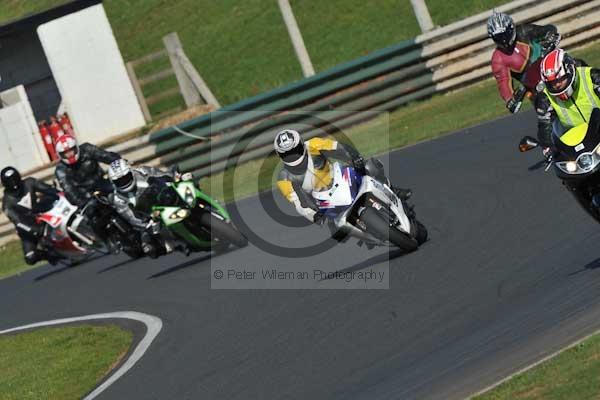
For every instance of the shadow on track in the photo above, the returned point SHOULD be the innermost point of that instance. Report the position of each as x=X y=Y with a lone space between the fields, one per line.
x=369 y=262
x=588 y=267
x=111 y=267
x=183 y=265
x=538 y=165
x=57 y=270
x=53 y=271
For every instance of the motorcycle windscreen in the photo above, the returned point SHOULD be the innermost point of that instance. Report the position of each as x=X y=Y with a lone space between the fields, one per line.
x=61 y=209
x=580 y=139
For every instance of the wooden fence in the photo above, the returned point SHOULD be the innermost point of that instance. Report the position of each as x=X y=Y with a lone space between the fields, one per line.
x=190 y=84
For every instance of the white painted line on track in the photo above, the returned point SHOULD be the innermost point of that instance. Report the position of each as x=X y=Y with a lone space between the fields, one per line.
x=533 y=365
x=153 y=327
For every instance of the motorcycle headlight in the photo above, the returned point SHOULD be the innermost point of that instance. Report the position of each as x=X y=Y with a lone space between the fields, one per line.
x=571 y=166
x=182 y=213
x=189 y=196
x=585 y=161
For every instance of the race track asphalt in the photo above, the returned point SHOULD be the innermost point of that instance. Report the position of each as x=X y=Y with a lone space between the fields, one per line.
x=511 y=274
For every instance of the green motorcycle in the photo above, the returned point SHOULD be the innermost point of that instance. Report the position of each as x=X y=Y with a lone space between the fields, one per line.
x=195 y=218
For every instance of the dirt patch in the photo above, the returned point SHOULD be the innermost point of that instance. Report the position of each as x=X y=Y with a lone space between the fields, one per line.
x=114 y=365
x=533 y=393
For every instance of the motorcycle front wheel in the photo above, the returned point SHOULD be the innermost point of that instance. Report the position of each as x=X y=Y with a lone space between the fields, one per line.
x=420 y=232
x=222 y=230
x=379 y=227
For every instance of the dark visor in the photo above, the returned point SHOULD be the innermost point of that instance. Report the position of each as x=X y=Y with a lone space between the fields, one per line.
x=68 y=153
x=123 y=181
x=293 y=154
x=504 y=39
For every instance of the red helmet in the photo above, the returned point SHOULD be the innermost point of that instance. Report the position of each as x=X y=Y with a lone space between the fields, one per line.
x=558 y=74
x=67 y=149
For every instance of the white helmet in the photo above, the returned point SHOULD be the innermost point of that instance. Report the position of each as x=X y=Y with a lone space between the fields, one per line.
x=121 y=176
x=291 y=149
x=67 y=149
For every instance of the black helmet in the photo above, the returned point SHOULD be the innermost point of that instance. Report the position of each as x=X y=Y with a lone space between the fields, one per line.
x=501 y=29
x=11 y=179
x=290 y=148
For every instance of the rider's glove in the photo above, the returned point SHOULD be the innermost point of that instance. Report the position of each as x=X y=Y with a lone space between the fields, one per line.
x=550 y=41
x=153 y=227
x=319 y=218
x=359 y=165
x=548 y=153
x=513 y=105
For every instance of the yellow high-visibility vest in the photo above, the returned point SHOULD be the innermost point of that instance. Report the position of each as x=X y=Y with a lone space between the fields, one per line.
x=578 y=108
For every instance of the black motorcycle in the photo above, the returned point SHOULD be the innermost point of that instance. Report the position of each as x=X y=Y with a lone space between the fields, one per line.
x=119 y=235
x=576 y=161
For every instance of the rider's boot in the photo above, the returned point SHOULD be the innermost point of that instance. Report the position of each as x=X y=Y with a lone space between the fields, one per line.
x=184 y=248
x=148 y=246
x=53 y=258
x=114 y=247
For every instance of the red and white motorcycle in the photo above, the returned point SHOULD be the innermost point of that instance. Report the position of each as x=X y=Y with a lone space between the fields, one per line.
x=67 y=231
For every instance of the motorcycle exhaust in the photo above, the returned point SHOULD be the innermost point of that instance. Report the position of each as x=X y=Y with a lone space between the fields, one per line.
x=81 y=237
x=118 y=225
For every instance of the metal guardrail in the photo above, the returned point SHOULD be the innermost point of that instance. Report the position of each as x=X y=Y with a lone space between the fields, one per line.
x=435 y=62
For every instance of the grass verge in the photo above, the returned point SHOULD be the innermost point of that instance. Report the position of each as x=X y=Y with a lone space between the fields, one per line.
x=59 y=363
x=443 y=12
x=242 y=48
x=11 y=260
x=572 y=374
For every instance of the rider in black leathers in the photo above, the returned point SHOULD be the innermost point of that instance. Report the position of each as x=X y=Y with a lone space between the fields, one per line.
x=23 y=199
x=80 y=175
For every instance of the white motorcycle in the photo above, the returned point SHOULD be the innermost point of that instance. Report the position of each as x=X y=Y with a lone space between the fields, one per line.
x=365 y=207
x=67 y=232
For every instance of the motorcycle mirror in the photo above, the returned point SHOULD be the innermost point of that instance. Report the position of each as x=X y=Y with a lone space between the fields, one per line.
x=528 y=143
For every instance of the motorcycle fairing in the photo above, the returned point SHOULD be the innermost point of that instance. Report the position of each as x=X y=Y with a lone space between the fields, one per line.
x=348 y=195
x=575 y=135
x=342 y=193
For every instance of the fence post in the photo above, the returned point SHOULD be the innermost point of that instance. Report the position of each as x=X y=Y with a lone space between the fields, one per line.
x=296 y=36
x=422 y=14
x=190 y=95
x=196 y=79
x=138 y=91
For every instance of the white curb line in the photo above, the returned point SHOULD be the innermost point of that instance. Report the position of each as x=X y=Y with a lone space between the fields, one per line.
x=153 y=326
